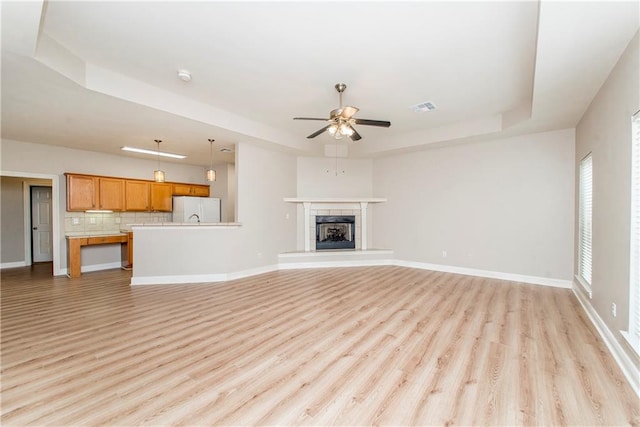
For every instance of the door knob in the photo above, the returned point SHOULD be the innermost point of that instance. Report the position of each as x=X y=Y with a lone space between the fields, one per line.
x=35 y=228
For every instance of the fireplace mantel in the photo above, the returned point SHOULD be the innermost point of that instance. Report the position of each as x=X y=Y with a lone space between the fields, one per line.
x=360 y=203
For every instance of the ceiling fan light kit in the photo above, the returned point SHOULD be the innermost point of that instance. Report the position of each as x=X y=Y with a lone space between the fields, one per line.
x=341 y=120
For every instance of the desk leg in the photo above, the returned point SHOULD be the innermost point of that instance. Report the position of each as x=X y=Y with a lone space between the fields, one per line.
x=74 y=261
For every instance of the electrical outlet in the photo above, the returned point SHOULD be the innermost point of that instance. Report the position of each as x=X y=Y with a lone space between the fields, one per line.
x=444 y=254
x=117 y=219
x=75 y=221
x=92 y=220
x=614 y=310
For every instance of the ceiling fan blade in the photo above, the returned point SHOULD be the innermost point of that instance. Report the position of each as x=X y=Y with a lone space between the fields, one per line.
x=308 y=118
x=355 y=136
x=367 y=122
x=347 y=112
x=318 y=132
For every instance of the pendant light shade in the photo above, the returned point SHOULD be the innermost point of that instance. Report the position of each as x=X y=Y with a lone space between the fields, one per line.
x=211 y=173
x=158 y=175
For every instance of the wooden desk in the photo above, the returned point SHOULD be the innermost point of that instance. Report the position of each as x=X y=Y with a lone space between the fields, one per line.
x=75 y=243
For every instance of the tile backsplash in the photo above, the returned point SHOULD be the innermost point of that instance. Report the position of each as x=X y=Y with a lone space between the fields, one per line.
x=109 y=222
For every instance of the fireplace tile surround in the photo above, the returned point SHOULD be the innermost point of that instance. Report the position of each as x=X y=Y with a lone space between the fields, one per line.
x=357 y=207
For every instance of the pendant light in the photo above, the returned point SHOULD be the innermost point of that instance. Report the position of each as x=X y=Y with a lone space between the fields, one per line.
x=158 y=175
x=211 y=174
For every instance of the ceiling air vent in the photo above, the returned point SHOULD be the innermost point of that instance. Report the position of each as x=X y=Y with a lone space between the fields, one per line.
x=423 y=106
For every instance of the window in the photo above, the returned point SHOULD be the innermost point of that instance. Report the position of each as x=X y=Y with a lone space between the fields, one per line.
x=584 y=221
x=634 y=271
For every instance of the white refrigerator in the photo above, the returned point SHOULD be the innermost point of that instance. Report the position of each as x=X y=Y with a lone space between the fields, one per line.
x=196 y=209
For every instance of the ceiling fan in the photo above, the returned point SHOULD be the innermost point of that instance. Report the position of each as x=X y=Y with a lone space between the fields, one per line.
x=341 y=120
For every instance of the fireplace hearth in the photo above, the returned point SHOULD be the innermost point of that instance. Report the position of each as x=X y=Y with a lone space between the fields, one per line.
x=335 y=232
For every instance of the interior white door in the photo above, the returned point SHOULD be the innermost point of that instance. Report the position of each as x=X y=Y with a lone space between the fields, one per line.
x=41 y=232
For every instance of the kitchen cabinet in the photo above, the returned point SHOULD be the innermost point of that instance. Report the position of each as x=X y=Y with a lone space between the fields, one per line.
x=127 y=252
x=196 y=190
x=137 y=195
x=82 y=192
x=111 y=194
x=161 y=197
x=144 y=196
x=94 y=192
x=87 y=192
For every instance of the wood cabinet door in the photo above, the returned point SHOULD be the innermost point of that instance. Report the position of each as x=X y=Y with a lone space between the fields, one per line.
x=82 y=193
x=112 y=194
x=136 y=195
x=181 y=190
x=200 y=190
x=161 y=194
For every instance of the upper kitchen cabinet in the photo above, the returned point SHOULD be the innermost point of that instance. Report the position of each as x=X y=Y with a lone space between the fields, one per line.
x=137 y=195
x=144 y=196
x=197 y=190
x=86 y=192
x=161 y=197
x=111 y=194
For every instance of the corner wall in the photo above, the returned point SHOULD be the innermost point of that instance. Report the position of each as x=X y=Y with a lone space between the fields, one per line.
x=605 y=131
x=499 y=206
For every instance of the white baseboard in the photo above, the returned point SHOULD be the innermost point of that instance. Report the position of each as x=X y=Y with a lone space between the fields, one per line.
x=93 y=267
x=99 y=267
x=535 y=280
x=628 y=368
x=222 y=277
x=201 y=278
x=12 y=264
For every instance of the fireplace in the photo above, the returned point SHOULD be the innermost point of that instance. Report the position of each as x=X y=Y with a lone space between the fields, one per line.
x=335 y=232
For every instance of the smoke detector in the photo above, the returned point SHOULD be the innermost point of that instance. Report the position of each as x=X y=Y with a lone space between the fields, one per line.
x=184 y=75
x=423 y=106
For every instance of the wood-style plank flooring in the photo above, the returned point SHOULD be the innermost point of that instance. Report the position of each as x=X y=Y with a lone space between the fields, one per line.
x=346 y=346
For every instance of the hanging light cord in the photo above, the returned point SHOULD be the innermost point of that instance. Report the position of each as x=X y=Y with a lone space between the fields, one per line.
x=211 y=151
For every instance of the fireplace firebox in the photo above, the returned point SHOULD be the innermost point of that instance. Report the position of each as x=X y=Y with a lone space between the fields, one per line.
x=335 y=232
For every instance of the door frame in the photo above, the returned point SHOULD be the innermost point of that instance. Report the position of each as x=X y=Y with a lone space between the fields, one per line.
x=55 y=215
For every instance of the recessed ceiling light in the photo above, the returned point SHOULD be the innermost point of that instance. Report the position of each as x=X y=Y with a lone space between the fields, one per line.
x=184 y=75
x=155 y=153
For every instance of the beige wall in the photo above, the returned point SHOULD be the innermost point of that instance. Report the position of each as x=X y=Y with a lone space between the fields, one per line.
x=12 y=220
x=224 y=188
x=605 y=131
x=323 y=177
x=502 y=206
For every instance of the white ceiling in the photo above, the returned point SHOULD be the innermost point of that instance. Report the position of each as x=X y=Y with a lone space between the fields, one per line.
x=100 y=75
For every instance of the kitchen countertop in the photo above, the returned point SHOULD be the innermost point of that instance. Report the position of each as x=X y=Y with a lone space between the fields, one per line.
x=129 y=227
x=81 y=234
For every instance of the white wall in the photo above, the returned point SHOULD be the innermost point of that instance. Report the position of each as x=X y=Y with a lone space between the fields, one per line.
x=502 y=206
x=33 y=158
x=224 y=188
x=264 y=178
x=605 y=131
x=319 y=177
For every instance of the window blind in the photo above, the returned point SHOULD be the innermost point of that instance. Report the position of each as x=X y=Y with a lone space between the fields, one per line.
x=634 y=285
x=584 y=213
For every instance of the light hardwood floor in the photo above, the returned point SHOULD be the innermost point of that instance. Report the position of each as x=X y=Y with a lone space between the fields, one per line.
x=348 y=346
